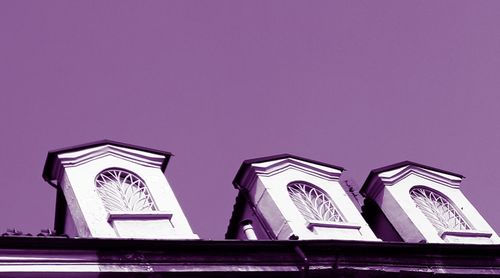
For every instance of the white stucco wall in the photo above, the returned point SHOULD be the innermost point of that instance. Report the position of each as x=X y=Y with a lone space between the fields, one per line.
x=89 y=214
x=395 y=201
x=268 y=190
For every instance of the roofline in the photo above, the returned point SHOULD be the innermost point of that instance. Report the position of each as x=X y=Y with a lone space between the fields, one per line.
x=377 y=171
x=332 y=255
x=247 y=163
x=52 y=155
x=64 y=243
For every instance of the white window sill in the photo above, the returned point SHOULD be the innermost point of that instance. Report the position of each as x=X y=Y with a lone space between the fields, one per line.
x=328 y=224
x=138 y=215
x=464 y=233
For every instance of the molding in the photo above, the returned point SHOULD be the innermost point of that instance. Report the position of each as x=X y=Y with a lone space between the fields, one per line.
x=269 y=159
x=281 y=165
x=79 y=157
x=73 y=159
x=465 y=233
x=202 y=258
x=327 y=224
x=421 y=172
x=138 y=215
x=391 y=177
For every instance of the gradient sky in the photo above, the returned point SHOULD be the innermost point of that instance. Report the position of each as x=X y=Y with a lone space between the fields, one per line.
x=359 y=84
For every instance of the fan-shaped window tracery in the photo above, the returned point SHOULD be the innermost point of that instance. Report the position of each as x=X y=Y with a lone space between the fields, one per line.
x=313 y=203
x=438 y=209
x=122 y=190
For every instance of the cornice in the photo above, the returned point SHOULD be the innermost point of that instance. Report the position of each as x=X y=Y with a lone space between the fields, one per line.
x=243 y=170
x=73 y=157
x=275 y=167
x=390 y=179
x=376 y=182
x=50 y=255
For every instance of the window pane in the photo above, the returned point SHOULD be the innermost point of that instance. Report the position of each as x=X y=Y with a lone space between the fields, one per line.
x=440 y=212
x=121 y=190
x=313 y=203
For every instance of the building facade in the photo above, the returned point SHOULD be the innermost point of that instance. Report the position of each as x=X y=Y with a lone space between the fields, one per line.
x=116 y=213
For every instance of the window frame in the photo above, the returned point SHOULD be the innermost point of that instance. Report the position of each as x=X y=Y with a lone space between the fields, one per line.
x=434 y=213
x=309 y=215
x=112 y=197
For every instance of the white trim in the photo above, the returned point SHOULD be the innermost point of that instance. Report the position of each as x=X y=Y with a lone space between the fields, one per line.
x=274 y=167
x=393 y=177
x=328 y=224
x=77 y=158
x=465 y=233
x=138 y=215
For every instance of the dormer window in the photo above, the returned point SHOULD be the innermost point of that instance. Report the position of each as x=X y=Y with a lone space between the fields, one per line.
x=313 y=203
x=438 y=209
x=123 y=191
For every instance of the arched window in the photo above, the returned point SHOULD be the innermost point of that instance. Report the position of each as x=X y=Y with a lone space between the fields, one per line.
x=121 y=190
x=313 y=203
x=438 y=209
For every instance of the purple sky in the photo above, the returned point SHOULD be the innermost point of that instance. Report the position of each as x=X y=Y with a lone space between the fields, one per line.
x=356 y=84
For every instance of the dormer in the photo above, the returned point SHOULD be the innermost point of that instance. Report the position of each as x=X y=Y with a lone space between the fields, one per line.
x=290 y=197
x=423 y=204
x=109 y=189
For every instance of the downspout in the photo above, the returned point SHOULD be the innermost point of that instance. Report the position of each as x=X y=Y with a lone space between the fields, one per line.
x=305 y=261
x=246 y=226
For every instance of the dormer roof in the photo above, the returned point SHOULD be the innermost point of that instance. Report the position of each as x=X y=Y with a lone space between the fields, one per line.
x=247 y=163
x=52 y=155
x=401 y=164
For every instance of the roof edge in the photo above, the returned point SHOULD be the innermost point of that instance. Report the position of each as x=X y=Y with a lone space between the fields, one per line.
x=390 y=167
x=247 y=163
x=52 y=155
